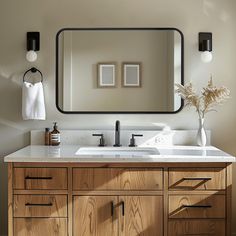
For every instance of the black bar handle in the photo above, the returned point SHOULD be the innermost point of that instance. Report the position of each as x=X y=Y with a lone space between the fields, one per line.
x=112 y=208
x=36 y=177
x=137 y=135
x=38 y=204
x=197 y=206
x=98 y=135
x=197 y=178
x=123 y=208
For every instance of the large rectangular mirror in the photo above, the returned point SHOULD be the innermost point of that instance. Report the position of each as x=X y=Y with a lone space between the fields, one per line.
x=119 y=70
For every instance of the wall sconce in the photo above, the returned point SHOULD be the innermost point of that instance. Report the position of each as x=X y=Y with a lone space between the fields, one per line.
x=205 y=46
x=33 y=45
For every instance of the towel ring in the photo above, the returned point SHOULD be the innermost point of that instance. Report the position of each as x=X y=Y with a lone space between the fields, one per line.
x=33 y=70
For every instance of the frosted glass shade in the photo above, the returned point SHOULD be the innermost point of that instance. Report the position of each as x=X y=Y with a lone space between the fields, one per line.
x=206 y=56
x=31 y=56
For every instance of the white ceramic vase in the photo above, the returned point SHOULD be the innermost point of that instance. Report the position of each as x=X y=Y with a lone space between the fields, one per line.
x=201 y=134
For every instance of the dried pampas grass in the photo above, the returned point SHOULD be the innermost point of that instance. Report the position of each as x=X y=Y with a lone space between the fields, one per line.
x=205 y=102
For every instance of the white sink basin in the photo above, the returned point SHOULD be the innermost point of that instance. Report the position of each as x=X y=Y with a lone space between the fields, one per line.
x=117 y=151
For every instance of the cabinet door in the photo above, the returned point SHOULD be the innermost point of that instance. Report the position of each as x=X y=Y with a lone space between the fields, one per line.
x=94 y=216
x=141 y=215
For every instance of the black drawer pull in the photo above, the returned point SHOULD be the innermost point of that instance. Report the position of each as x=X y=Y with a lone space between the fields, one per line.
x=38 y=204
x=33 y=177
x=112 y=208
x=197 y=178
x=123 y=208
x=196 y=206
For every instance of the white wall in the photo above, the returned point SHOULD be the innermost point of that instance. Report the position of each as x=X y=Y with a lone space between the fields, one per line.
x=190 y=16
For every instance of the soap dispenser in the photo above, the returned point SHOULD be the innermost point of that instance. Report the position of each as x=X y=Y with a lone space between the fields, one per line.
x=55 y=136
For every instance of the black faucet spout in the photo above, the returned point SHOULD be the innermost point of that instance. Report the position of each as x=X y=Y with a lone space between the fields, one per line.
x=117 y=134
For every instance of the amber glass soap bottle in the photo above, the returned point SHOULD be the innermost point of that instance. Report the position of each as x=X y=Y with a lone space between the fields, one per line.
x=55 y=136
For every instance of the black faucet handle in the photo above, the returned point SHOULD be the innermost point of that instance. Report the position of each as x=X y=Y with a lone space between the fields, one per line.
x=101 y=141
x=132 y=140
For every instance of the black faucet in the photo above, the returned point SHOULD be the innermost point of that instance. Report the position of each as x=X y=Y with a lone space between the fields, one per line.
x=117 y=134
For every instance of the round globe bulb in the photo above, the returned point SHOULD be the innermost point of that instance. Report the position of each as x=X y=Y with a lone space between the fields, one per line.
x=206 y=56
x=31 y=56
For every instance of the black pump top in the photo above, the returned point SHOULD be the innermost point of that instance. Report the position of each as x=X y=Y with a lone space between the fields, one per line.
x=55 y=125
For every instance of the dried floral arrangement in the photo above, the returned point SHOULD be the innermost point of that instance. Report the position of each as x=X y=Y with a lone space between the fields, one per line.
x=204 y=102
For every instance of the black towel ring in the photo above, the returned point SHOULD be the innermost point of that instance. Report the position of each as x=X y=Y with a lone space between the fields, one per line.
x=33 y=70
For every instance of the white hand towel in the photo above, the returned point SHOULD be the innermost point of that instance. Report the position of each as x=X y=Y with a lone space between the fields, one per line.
x=33 y=105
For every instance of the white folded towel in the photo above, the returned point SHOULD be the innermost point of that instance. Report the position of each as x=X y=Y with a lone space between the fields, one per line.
x=33 y=105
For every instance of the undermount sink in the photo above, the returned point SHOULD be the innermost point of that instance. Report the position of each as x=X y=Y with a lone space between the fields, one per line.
x=117 y=151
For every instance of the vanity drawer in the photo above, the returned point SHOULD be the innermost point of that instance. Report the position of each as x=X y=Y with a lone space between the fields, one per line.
x=197 y=178
x=40 y=205
x=40 y=226
x=40 y=178
x=142 y=179
x=196 y=227
x=197 y=206
x=117 y=179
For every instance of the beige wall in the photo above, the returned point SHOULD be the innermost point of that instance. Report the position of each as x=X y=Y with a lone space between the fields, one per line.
x=87 y=48
x=191 y=16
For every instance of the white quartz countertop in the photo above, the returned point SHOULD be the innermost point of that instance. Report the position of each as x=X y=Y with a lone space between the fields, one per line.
x=66 y=154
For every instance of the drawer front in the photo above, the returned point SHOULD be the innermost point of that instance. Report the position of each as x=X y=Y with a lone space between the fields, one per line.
x=40 y=226
x=40 y=205
x=197 y=206
x=196 y=227
x=142 y=179
x=196 y=178
x=40 y=178
x=117 y=179
x=96 y=178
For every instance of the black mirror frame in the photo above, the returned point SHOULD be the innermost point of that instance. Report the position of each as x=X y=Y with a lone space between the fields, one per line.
x=117 y=112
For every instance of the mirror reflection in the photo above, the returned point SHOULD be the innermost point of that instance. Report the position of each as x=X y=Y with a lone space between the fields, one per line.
x=119 y=70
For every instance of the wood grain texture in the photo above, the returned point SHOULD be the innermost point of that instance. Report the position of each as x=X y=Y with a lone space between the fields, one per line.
x=117 y=179
x=117 y=193
x=216 y=182
x=143 y=215
x=196 y=227
x=124 y=165
x=92 y=216
x=154 y=208
x=70 y=202
x=10 y=199
x=177 y=209
x=58 y=178
x=40 y=227
x=142 y=179
x=96 y=178
x=37 y=191
x=229 y=199
x=58 y=206
x=165 y=202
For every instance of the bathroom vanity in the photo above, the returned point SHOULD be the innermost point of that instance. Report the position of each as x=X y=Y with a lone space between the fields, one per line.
x=178 y=190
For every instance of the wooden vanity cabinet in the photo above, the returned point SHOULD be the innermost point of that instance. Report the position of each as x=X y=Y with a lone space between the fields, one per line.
x=129 y=199
x=117 y=215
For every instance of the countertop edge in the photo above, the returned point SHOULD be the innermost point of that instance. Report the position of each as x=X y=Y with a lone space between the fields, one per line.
x=68 y=156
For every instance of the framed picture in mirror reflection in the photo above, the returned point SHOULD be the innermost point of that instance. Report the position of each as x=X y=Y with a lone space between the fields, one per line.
x=131 y=74
x=106 y=74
